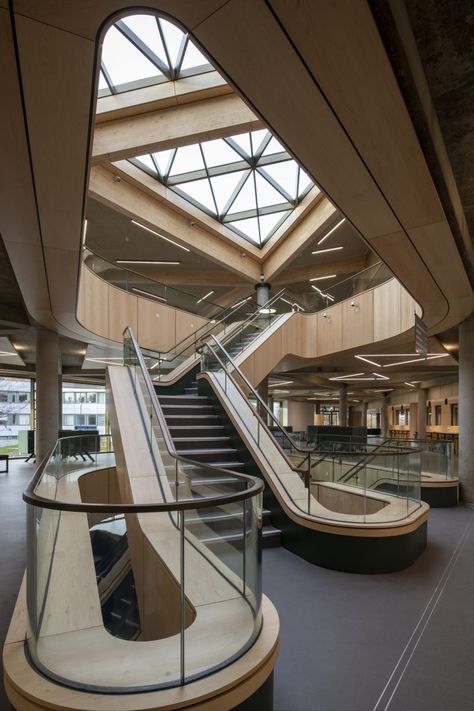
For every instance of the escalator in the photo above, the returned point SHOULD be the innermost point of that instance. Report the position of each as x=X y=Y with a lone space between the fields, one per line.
x=201 y=432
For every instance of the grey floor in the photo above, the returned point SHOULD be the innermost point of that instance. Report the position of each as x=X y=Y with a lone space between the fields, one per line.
x=403 y=642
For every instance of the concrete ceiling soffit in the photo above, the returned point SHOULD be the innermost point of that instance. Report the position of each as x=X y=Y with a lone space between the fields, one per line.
x=143 y=207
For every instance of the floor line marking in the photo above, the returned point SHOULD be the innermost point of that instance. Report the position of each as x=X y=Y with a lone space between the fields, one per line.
x=440 y=586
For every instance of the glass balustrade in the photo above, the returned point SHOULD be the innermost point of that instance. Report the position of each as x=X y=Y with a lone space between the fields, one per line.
x=126 y=596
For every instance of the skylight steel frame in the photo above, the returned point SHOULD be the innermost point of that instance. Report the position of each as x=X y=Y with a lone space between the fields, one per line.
x=250 y=166
x=168 y=71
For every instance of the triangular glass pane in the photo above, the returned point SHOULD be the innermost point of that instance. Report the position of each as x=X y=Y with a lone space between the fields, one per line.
x=273 y=147
x=123 y=61
x=218 y=152
x=245 y=200
x=305 y=182
x=173 y=38
x=285 y=174
x=186 y=160
x=146 y=160
x=193 y=57
x=257 y=139
x=269 y=222
x=243 y=140
x=266 y=194
x=102 y=83
x=145 y=27
x=223 y=187
x=200 y=190
x=248 y=227
x=162 y=160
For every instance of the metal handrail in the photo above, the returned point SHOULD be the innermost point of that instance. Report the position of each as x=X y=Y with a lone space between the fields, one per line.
x=211 y=327
x=34 y=499
x=254 y=393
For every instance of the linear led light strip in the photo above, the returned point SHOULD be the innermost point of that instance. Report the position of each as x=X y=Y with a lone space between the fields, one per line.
x=204 y=297
x=327 y=276
x=145 y=261
x=328 y=249
x=278 y=385
x=410 y=384
x=292 y=303
x=138 y=224
x=331 y=230
x=430 y=356
x=147 y=293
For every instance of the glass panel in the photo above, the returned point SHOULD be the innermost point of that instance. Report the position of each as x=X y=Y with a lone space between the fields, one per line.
x=193 y=57
x=224 y=187
x=146 y=28
x=285 y=174
x=219 y=152
x=173 y=38
x=249 y=228
x=123 y=61
x=200 y=191
x=266 y=194
x=147 y=162
x=187 y=159
x=246 y=199
x=269 y=223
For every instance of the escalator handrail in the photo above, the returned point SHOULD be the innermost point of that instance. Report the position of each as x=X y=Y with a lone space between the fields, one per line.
x=210 y=327
x=254 y=393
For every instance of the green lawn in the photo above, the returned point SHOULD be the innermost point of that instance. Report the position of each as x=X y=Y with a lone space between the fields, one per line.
x=9 y=449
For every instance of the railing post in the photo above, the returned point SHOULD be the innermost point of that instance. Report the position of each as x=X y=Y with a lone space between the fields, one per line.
x=244 y=561
x=182 y=599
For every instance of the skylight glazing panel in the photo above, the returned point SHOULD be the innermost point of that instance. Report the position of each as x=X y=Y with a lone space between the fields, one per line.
x=162 y=159
x=123 y=61
x=200 y=191
x=146 y=28
x=218 y=152
x=257 y=138
x=266 y=194
x=103 y=86
x=245 y=200
x=243 y=141
x=193 y=57
x=224 y=187
x=269 y=223
x=187 y=160
x=285 y=174
x=147 y=161
x=305 y=182
x=173 y=38
x=249 y=228
x=273 y=147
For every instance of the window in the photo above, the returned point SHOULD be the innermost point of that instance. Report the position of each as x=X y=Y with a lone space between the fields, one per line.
x=91 y=397
x=92 y=420
x=24 y=420
x=69 y=397
x=80 y=420
x=23 y=397
x=429 y=416
x=454 y=414
x=437 y=414
x=68 y=420
x=3 y=397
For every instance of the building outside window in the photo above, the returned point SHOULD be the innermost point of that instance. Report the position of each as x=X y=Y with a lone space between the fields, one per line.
x=15 y=412
x=454 y=414
x=437 y=414
x=84 y=407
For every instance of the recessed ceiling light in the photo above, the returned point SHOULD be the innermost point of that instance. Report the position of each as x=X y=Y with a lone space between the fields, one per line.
x=418 y=360
x=157 y=234
x=204 y=297
x=382 y=377
x=147 y=293
x=328 y=249
x=410 y=384
x=84 y=232
x=285 y=382
x=327 y=276
x=331 y=231
x=145 y=261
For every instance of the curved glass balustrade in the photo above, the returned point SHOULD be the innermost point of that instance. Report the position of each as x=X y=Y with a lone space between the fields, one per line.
x=437 y=456
x=140 y=583
x=344 y=483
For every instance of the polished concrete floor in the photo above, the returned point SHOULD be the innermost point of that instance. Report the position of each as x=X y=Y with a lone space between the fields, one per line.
x=403 y=642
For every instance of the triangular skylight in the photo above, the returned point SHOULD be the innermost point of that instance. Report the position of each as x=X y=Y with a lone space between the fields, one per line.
x=251 y=194
x=141 y=50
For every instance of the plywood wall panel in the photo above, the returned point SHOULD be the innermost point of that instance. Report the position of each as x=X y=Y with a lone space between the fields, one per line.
x=387 y=299
x=156 y=325
x=358 y=320
x=122 y=313
x=330 y=330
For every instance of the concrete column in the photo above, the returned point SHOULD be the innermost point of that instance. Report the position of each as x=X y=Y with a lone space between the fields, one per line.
x=343 y=411
x=47 y=387
x=466 y=408
x=421 y=413
x=263 y=292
